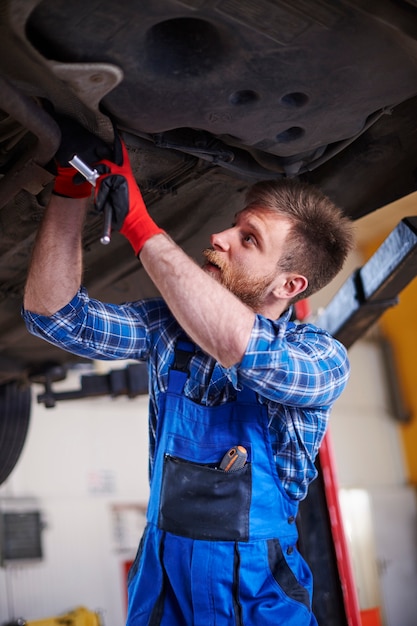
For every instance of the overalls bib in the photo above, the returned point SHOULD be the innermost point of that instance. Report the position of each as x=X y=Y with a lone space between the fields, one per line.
x=219 y=548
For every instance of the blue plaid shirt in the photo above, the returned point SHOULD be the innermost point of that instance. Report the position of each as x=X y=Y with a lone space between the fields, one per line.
x=297 y=370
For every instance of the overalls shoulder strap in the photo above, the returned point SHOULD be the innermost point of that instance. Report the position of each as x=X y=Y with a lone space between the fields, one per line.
x=180 y=370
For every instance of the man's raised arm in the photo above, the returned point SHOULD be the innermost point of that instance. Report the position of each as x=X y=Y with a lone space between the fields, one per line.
x=55 y=270
x=210 y=314
x=56 y=267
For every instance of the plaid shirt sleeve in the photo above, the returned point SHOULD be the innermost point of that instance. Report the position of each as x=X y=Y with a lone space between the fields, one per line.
x=297 y=365
x=299 y=371
x=95 y=330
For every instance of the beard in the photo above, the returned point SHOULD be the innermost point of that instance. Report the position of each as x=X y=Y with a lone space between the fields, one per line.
x=250 y=291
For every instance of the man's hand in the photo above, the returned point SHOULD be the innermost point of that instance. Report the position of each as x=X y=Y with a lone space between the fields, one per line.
x=117 y=187
x=75 y=139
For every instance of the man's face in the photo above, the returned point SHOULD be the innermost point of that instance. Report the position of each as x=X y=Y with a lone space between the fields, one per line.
x=244 y=258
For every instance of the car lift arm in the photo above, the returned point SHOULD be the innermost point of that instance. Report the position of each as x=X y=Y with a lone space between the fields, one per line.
x=373 y=288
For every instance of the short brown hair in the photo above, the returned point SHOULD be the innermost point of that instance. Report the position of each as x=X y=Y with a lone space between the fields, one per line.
x=321 y=236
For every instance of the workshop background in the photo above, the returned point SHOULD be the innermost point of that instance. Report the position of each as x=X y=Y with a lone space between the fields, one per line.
x=82 y=477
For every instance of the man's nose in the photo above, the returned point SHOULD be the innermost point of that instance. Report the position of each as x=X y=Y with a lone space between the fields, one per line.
x=221 y=241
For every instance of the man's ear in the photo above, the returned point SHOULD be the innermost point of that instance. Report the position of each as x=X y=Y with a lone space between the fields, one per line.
x=293 y=285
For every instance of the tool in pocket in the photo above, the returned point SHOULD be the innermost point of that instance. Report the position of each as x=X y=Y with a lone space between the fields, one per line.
x=234 y=459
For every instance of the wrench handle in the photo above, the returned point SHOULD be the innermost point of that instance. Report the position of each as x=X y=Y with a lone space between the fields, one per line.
x=106 y=237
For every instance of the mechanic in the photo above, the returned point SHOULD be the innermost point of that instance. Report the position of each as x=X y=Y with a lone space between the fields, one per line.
x=230 y=376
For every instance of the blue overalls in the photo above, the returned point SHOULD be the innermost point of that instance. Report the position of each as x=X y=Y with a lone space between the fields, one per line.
x=219 y=548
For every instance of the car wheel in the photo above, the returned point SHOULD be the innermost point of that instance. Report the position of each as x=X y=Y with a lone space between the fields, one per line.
x=15 y=405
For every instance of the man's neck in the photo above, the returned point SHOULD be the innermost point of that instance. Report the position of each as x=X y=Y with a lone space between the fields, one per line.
x=273 y=312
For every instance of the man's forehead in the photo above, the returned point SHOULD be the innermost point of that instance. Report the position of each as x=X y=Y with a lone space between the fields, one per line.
x=252 y=210
x=262 y=213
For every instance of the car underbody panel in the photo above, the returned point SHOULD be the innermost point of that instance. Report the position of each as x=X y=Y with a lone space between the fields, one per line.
x=210 y=96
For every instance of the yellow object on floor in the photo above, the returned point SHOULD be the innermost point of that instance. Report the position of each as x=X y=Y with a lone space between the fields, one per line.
x=78 y=617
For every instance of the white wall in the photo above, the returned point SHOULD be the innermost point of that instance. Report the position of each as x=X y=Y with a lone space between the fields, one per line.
x=364 y=433
x=85 y=467
x=378 y=505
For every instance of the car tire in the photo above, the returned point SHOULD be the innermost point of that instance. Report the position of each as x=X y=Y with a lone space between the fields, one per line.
x=15 y=406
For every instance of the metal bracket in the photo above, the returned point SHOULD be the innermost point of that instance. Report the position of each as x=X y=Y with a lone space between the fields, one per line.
x=130 y=381
x=373 y=288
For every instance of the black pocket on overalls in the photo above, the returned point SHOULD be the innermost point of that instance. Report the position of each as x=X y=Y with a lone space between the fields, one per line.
x=200 y=502
x=284 y=576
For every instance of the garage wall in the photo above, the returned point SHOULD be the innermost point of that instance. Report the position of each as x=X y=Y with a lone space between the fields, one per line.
x=378 y=503
x=84 y=467
x=365 y=434
x=399 y=326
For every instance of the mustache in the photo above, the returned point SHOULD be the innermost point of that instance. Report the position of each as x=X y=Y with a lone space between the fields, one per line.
x=212 y=256
x=250 y=291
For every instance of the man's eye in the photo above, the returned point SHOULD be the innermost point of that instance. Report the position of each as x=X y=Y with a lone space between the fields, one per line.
x=249 y=239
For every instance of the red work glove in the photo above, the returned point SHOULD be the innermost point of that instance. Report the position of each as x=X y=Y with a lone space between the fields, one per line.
x=118 y=188
x=75 y=139
x=65 y=185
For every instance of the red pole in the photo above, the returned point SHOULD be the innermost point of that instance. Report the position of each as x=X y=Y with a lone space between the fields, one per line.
x=344 y=565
